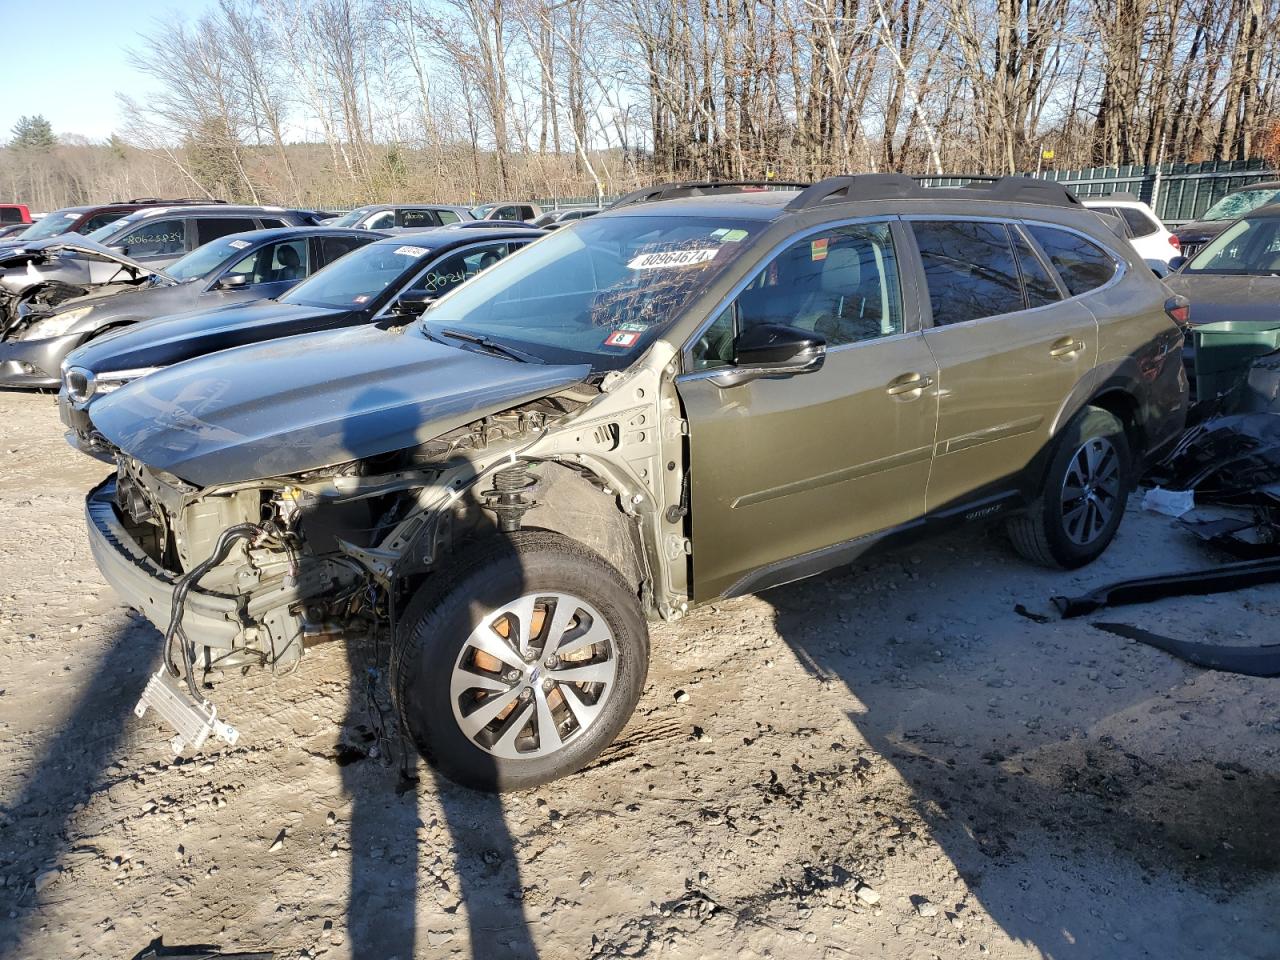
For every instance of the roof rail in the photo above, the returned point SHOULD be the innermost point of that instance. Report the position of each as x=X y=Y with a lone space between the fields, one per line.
x=897 y=186
x=177 y=202
x=858 y=186
x=699 y=188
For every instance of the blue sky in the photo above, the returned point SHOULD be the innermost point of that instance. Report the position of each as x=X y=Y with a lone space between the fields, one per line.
x=67 y=59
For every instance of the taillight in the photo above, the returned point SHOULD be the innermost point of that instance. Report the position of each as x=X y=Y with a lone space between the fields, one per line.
x=1179 y=311
x=1174 y=241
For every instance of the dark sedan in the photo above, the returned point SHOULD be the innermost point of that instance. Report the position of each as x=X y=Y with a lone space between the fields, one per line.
x=388 y=282
x=254 y=265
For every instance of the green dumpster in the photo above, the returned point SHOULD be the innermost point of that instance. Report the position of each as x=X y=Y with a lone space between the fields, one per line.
x=1224 y=351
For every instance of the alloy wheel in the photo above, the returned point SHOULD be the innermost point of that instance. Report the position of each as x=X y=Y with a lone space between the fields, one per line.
x=534 y=675
x=1091 y=490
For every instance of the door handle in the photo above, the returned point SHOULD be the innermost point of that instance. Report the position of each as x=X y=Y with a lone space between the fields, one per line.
x=1066 y=347
x=908 y=386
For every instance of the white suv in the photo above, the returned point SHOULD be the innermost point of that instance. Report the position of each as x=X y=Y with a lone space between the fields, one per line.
x=1143 y=228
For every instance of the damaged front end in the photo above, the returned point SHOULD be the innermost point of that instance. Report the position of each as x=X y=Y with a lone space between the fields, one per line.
x=251 y=574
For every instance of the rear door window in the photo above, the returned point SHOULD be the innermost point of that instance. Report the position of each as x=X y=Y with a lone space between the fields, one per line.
x=331 y=248
x=154 y=238
x=1081 y=263
x=1140 y=225
x=381 y=220
x=448 y=216
x=970 y=270
x=416 y=218
x=212 y=228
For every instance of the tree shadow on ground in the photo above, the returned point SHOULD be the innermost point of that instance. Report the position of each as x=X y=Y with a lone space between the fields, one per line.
x=1031 y=811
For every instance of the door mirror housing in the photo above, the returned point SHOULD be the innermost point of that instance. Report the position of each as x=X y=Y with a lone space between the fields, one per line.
x=1177 y=263
x=413 y=302
x=773 y=350
x=232 y=281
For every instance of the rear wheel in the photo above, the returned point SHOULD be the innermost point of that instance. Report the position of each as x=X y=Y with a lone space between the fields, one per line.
x=521 y=663
x=1085 y=491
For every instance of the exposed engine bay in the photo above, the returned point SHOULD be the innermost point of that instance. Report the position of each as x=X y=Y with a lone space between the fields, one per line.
x=332 y=552
x=33 y=283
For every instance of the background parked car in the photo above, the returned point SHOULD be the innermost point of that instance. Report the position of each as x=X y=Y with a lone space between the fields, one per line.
x=256 y=265
x=14 y=214
x=558 y=218
x=1217 y=218
x=12 y=229
x=414 y=216
x=87 y=218
x=507 y=210
x=45 y=273
x=391 y=280
x=1142 y=227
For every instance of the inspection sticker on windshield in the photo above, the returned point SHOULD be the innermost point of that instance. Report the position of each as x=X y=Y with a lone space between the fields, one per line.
x=410 y=251
x=239 y=244
x=622 y=338
x=671 y=258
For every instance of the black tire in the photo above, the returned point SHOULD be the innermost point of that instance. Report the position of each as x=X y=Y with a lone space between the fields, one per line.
x=1042 y=534
x=440 y=619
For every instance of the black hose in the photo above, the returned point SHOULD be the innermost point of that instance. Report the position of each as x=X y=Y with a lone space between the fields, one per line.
x=240 y=531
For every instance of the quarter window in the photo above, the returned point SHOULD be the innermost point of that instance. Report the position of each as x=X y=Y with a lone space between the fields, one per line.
x=448 y=216
x=331 y=248
x=842 y=284
x=1082 y=264
x=970 y=270
x=154 y=238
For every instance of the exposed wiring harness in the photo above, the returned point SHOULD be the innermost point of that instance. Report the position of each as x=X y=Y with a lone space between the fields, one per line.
x=240 y=531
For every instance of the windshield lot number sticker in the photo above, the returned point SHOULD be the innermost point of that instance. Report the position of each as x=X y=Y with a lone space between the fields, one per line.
x=239 y=244
x=671 y=258
x=410 y=251
x=622 y=338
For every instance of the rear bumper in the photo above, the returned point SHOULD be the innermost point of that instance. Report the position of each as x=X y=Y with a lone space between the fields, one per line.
x=34 y=363
x=145 y=585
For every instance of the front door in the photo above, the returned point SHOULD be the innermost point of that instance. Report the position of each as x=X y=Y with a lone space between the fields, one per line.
x=1009 y=348
x=785 y=471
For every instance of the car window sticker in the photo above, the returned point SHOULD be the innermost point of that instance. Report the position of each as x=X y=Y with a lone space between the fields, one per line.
x=407 y=251
x=672 y=258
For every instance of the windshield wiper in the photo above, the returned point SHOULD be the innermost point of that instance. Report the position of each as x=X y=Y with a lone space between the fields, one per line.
x=499 y=349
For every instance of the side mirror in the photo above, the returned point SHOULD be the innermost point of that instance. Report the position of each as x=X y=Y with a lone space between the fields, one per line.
x=413 y=302
x=773 y=350
x=232 y=281
x=1158 y=267
x=1177 y=263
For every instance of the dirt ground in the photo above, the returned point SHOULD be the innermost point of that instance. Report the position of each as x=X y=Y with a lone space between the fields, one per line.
x=883 y=762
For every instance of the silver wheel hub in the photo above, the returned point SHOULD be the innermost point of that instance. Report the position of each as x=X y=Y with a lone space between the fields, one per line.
x=533 y=676
x=1091 y=491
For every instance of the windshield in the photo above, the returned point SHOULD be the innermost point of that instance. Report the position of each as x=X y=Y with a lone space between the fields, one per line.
x=482 y=211
x=54 y=224
x=202 y=261
x=600 y=293
x=350 y=219
x=357 y=280
x=106 y=230
x=1235 y=205
x=1250 y=247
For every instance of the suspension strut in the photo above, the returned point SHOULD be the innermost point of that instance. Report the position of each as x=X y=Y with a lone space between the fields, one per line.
x=511 y=495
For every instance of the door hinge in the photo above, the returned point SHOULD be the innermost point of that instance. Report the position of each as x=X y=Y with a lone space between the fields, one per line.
x=674 y=427
x=678 y=547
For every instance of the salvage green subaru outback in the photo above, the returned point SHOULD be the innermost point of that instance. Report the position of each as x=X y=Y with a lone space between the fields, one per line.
x=707 y=391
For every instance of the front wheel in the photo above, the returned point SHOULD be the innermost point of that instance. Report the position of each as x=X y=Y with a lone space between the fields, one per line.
x=1085 y=491
x=521 y=663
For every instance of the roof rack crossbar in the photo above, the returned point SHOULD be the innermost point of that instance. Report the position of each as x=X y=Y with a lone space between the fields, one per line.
x=858 y=186
x=698 y=188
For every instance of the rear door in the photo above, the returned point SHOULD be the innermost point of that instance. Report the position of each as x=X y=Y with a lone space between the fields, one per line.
x=157 y=241
x=1010 y=348
x=786 y=471
x=417 y=218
